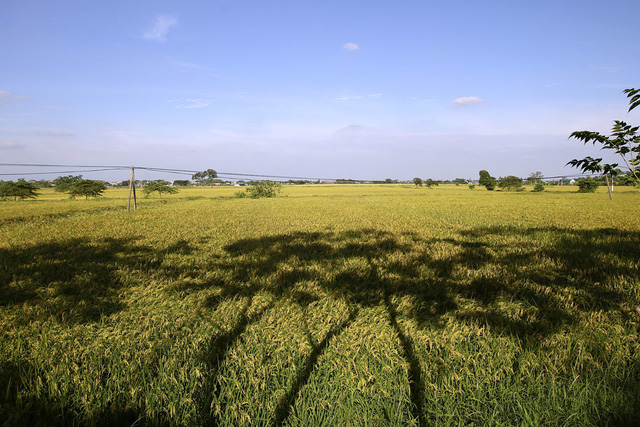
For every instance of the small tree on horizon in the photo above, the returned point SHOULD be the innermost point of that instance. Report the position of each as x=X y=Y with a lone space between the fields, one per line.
x=205 y=177
x=87 y=188
x=417 y=182
x=63 y=184
x=486 y=180
x=20 y=189
x=159 y=186
x=264 y=189
x=510 y=183
x=429 y=183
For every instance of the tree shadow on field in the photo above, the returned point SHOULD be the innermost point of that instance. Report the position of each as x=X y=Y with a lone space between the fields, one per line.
x=471 y=275
x=523 y=282
x=73 y=281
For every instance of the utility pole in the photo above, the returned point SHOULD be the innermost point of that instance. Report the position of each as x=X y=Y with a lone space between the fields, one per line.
x=132 y=190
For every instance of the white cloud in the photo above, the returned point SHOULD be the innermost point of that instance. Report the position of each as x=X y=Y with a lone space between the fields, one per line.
x=464 y=101
x=375 y=95
x=5 y=95
x=350 y=46
x=194 y=103
x=160 y=28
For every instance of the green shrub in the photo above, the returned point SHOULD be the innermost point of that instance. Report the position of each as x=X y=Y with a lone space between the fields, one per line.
x=538 y=187
x=587 y=185
x=264 y=189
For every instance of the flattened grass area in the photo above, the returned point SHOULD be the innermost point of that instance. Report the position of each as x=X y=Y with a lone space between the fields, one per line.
x=329 y=305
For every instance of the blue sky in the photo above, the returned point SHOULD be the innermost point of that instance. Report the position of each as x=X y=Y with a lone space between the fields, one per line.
x=333 y=89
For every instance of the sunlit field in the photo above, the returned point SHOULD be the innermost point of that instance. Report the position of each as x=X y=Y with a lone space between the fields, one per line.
x=328 y=305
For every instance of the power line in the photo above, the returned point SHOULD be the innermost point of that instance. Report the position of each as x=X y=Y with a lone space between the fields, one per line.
x=57 y=172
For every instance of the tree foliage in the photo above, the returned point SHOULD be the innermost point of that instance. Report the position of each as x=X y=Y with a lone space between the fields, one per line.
x=159 y=187
x=18 y=190
x=417 y=181
x=87 y=188
x=205 y=177
x=624 y=141
x=534 y=177
x=538 y=187
x=63 y=184
x=487 y=180
x=587 y=185
x=264 y=189
x=429 y=183
x=510 y=183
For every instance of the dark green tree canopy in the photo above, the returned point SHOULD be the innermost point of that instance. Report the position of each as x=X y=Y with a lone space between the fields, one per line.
x=587 y=185
x=18 y=190
x=510 y=183
x=486 y=180
x=63 y=184
x=417 y=182
x=205 y=177
x=264 y=189
x=431 y=183
x=87 y=188
x=160 y=187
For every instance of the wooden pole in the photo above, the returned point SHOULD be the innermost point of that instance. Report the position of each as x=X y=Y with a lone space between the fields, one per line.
x=133 y=180
x=609 y=189
x=132 y=190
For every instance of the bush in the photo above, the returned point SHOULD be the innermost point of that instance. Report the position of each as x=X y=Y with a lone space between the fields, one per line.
x=472 y=186
x=538 y=187
x=264 y=189
x=587 y=185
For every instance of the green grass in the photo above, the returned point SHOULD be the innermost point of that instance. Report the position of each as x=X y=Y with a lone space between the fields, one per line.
x=329 y=305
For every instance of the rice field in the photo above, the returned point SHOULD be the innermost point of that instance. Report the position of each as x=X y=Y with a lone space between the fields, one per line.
x=329 y=305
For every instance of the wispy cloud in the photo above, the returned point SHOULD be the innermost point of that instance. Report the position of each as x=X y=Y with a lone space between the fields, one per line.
x=465 y=101
x=350 y=46
x=161 y=27
x=194 y=103
x=57 y=133
x=375 y=95
x=5 y=95
x=8 y=145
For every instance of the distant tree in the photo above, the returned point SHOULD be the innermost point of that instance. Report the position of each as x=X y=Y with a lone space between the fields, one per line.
x=538 y=187
x=624 y=141
x=264 y=189
x=388 y=181
x=472 y=186
x=534 y=177
x=417 y=182
x=431 y=183
x=181 y=183
x=18 y=190
x=87 y=188
x=63 y=184
x=487 y=180
x=510 y=183
x=159 y=187
x=459 y=181
x=42 y=183
x=587 y=185
x=205 y=177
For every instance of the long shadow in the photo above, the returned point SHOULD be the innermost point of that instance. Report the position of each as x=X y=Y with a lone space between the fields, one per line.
x=477 y=267
x=416 y=390
x=285 y=405
x=216 y=353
